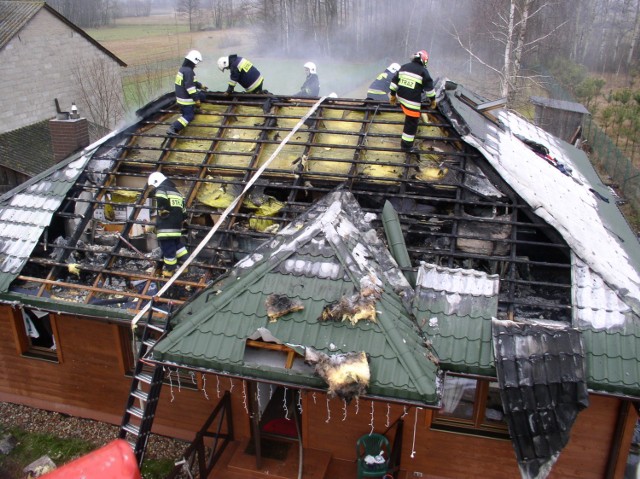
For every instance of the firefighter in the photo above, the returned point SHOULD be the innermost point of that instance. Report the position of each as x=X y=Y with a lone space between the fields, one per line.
x=407 y=86
x=379 y=88
x=170 y=214
x=189 y=92
x=241 y=71
x=311 y=85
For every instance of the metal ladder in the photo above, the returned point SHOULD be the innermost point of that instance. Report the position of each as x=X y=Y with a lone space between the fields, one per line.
x=144 y=393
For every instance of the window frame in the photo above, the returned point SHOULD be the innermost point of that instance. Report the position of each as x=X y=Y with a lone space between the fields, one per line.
x=24 y=346
x=477 y=424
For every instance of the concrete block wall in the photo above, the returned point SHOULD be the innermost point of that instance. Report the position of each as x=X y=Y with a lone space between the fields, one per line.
x=38 y=65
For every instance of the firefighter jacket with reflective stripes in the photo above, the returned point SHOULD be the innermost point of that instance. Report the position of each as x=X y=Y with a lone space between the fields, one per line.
x=310 y=87
x=243 y=72
x=170 y=210
x=379 y=88
x=186 y=84
x=411 y=80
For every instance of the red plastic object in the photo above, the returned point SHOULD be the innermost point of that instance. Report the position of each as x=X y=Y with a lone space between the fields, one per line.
x=115 y=460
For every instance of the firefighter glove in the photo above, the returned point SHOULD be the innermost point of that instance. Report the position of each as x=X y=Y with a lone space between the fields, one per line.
x=198 y=103
x=393 y=99
x=433 y=104
x=204 y=88
x=149 y=229
x=163 y=213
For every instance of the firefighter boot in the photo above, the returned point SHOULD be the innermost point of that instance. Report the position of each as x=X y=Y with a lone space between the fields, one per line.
x=172 y=131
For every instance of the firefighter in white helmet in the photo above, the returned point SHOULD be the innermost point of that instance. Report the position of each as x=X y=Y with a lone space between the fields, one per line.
x=407 y=87
x=170 y=215
x=189 y=92
x=241 y=71
x=311 y=85
x=379 y=88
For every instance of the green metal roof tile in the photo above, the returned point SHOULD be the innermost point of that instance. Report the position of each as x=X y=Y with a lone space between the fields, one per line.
x=455 y=308
x=401 y=364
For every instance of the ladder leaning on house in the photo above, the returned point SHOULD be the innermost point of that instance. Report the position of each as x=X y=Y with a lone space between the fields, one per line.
x=145 y=388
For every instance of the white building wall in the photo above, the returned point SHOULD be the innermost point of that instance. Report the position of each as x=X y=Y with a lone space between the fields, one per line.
x=37 y=67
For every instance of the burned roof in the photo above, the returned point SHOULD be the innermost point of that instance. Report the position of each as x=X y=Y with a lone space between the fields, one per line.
x=541 y=372
x=351 y=298
x=475 y=198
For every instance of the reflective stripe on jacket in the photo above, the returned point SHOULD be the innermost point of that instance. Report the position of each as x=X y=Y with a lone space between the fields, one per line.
x=242 y=71
x=186 y=85
x=169 y=199
x=409 y=83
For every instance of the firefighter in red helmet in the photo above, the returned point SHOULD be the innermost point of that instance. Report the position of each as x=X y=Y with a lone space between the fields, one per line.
x=407 y=87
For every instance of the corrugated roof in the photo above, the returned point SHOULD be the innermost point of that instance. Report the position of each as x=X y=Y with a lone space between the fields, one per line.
x=541 y=373
x=327 y=254
x=605 y=279
x=27 y=150
x=15 y=14
x=454 y=307
x=26 y=211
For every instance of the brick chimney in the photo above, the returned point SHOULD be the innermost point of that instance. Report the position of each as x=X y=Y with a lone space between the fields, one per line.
x=69 y=133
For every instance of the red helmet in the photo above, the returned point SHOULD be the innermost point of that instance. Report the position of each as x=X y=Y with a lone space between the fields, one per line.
x=423 y=56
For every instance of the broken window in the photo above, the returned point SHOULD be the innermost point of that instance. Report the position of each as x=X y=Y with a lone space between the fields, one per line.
x=471 y=404
x=35 y=331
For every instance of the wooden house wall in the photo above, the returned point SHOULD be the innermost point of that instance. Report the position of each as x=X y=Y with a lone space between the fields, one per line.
x=90 y=382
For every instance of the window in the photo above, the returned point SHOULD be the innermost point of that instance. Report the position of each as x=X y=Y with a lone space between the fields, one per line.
x=471 y=405
x=36 y=334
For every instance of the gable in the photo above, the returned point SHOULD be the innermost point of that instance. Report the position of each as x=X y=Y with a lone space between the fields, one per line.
x=328 y=254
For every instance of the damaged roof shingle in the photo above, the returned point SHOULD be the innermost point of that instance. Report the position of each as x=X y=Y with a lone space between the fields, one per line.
x=326 y=254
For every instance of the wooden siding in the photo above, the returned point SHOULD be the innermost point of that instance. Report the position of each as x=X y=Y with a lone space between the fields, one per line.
x=90 y=382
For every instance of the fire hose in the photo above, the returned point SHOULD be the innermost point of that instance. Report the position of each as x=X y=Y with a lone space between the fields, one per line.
x=230 y=208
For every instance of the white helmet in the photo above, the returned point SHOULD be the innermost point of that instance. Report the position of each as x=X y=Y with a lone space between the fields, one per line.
x=311 y=67
x=156 y=178
x=393 y=68
x=194 y=57
x=223 y=62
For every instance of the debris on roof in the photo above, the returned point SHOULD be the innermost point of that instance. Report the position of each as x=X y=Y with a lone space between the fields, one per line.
x=541 y=372
x=347 y=374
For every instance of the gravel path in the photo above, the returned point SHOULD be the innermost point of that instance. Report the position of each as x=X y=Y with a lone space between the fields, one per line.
x=98 y=433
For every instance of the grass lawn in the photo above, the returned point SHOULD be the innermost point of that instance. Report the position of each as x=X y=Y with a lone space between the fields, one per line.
x=32 y=446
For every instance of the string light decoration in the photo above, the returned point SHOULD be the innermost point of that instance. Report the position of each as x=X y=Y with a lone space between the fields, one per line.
x=193 y=377
x=178 y=379
x=328 y=411
x=231 y=381
x=244 y=397
x=313 y=396
x=357 y=405
x=371 y=418
x=388 y=413
x=413 y=444
x=170 y=383
x=404 y=412
x=284 y=404
x=218 y=386
x=258 y=399
x=344 y=410
x=270 y=391
x=204 y=387
x=300 y=401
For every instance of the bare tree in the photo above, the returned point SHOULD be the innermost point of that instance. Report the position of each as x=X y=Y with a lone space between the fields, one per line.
x=189 y=9
x=511 y=33
x=99 y=89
